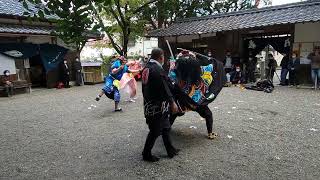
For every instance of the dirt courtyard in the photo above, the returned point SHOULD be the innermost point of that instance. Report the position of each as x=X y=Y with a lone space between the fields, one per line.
x=65 y=134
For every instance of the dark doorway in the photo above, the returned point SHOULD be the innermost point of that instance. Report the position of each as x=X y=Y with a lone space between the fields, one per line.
x=37 y=72
x=258 y=47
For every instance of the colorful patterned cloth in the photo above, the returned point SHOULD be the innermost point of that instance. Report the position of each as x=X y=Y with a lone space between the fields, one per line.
x=198 y=90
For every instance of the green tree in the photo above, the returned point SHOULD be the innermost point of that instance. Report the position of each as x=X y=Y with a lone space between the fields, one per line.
x=115 y=18
x=161 y=14
x=164 y=12
x=118 y=18
x=72 y=18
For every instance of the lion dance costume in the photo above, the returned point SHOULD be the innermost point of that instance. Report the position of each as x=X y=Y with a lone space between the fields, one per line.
x=197 y=82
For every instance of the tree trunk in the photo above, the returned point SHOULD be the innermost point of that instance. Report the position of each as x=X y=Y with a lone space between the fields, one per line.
x=161 y=12
x=125 y=45
x=126 y=35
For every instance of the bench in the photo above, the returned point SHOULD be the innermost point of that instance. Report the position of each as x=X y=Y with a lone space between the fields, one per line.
x=18 y=85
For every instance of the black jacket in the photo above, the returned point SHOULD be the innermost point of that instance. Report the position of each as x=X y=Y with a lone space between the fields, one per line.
x=237 y=76
x=293 y=64
x=77 y=66
x=251 y=64
x=155 y=84
x=65 y=70
x=284 y=62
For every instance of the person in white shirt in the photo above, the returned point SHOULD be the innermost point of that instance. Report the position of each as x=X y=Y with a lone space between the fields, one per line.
x=228 y=62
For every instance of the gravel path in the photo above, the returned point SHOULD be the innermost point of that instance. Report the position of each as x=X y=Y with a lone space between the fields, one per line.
x=65 y=134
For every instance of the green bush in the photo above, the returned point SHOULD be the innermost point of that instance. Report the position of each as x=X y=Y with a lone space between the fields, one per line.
x=106 y=64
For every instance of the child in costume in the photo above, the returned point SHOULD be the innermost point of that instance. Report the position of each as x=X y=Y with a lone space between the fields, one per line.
x=112 y=82
x=128 y=82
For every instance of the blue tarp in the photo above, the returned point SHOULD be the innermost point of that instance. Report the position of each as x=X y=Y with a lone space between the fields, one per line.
x=51 y=54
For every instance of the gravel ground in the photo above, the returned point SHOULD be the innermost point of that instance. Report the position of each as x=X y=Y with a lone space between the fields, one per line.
x=54 y=134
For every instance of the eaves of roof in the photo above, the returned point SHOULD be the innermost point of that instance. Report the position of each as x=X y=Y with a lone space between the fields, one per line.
x=307 y=11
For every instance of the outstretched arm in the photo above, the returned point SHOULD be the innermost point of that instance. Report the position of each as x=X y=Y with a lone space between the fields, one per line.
x=116 y=70
x=134 y=71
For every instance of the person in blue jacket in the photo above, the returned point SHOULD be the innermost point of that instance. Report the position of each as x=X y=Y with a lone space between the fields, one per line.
x=112 y=81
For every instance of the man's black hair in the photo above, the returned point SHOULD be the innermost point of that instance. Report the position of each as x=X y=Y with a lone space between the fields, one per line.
x=5 y=71
x=188 y=69
x=156 y=53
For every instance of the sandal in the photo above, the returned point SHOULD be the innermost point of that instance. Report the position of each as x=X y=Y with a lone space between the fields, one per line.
x=212 y=135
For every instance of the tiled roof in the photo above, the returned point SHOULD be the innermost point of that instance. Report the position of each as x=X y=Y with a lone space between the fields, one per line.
x=38 y=30
x=22 y=29
x=15 y=8
x=307 y=11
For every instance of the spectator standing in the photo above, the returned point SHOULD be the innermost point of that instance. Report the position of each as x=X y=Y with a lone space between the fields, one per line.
x=251 y=68
x=293 y=66
x=228 y=63
x=284 y=69
x=315 y=66
x=272 y=65
x=78 y=69
x=65 y=73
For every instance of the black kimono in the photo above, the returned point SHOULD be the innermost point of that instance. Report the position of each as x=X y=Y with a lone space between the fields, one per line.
x=157 y=98
x=78 y=68
x=65 y=75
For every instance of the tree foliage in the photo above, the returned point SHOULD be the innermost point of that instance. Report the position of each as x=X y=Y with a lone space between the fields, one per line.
x=164 y=12
x=118 y=17
x=123 y=20
x=71 y=16
x=115 y=18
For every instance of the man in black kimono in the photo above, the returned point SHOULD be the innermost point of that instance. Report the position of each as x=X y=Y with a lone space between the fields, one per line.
x=78 y=69
x=158 y=104
x=65 y=74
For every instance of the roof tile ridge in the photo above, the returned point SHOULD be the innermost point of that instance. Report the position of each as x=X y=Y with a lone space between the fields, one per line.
x=250 y=11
